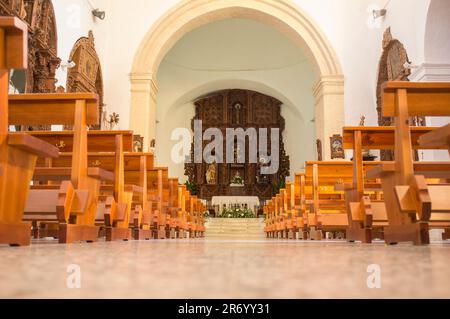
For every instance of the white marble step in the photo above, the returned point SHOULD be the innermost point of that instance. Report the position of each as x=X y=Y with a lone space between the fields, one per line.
x=243 y=229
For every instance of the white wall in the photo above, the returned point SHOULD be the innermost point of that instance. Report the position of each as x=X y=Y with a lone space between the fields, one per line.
x=212 y=58
x=342 y=21
x=179 y=87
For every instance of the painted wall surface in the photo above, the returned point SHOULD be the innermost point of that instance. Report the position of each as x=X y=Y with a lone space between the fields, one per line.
x=212 y=58
x=343 y=22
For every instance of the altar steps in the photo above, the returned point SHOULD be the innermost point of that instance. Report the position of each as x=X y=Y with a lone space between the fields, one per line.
x=235 y=229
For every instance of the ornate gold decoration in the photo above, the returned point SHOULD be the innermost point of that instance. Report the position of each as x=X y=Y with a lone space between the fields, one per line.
x=60 y=145
x=362 y=121
x=43 y=60
x=96 y=163
x=114 y=119
x=86 y=76
x=392 y=67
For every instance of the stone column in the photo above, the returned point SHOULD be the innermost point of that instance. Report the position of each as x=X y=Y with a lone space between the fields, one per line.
x=329 y=109
x=144 y=90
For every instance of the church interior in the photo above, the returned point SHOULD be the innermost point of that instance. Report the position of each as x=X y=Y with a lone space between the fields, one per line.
x=205 y=149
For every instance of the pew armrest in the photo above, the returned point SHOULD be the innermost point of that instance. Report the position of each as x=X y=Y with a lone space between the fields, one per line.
x=63 y=173
x=134 y=189
x=101 y=174
x=438 y=138
x=380 y=170
x=32 y=145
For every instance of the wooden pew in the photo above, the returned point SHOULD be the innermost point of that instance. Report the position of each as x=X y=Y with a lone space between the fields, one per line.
x=367 y=216
x=182 y=224
x=327 y=211
x=76 y=223
x=173 y=222
x=105 y=155
x=301 y=205
x=293 y=219
x=124 y=196
x=439 y=138
x=269 y=218
x=136 y=170
x=158 y=187
x=18 y=153
x=411 y=202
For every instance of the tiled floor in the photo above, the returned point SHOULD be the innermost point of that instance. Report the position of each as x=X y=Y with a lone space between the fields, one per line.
x=224 y=269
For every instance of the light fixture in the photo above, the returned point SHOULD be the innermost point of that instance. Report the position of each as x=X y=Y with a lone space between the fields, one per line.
x=99 y=14
x=376 y=16
x=379 y=13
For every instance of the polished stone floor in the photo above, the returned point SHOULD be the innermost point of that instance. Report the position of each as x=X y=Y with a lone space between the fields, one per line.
x=224 y=269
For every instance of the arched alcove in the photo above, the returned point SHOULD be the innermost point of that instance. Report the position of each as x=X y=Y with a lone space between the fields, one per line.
x=283 y=16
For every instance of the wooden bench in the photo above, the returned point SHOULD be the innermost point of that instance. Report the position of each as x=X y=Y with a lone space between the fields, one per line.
x=268 y=218
x=439 y=138
x=367 y=216
x=78 y=109
x=124 y=197
x=326 y=210
x=293 y=220
x=411 y=202
x=18 y=153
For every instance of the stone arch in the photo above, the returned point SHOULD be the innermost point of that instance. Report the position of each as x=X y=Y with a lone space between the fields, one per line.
x=282 y=15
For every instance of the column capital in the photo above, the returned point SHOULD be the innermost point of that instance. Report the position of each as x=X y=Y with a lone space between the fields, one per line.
x=329 y=84
x=144 y=83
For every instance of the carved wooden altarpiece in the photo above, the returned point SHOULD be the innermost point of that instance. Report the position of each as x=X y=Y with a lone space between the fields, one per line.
x=86 y=75
x=392 y=67
x=238 y=109
x=43 y=60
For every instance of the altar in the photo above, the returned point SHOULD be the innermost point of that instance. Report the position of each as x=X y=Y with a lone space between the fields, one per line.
x=250 y=202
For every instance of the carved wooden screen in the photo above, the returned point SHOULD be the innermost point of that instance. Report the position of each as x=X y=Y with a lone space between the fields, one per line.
x=238 y=109
x=42 y=42
x=392 y=67
x=86 y=75
x=43 y=58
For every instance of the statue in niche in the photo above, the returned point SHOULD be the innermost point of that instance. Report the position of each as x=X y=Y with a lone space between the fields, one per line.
x=237 y=112
x=211 y=174
x=262 y=178
x=237 y=151
x=237 y=179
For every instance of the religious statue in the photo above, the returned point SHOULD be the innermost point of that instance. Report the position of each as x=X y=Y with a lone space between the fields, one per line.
x=237 y=151
x=362 y=121
x=237 y=108
x=113 y=121
x=211 y=174
x=319 y=150
x=237 y=179
x=262 y=178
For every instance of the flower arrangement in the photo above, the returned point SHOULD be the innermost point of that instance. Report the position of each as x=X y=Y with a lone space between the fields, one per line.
x=236 y=213
x=237 y=180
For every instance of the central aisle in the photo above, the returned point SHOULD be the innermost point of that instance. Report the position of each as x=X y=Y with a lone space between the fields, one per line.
x=224 y=269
